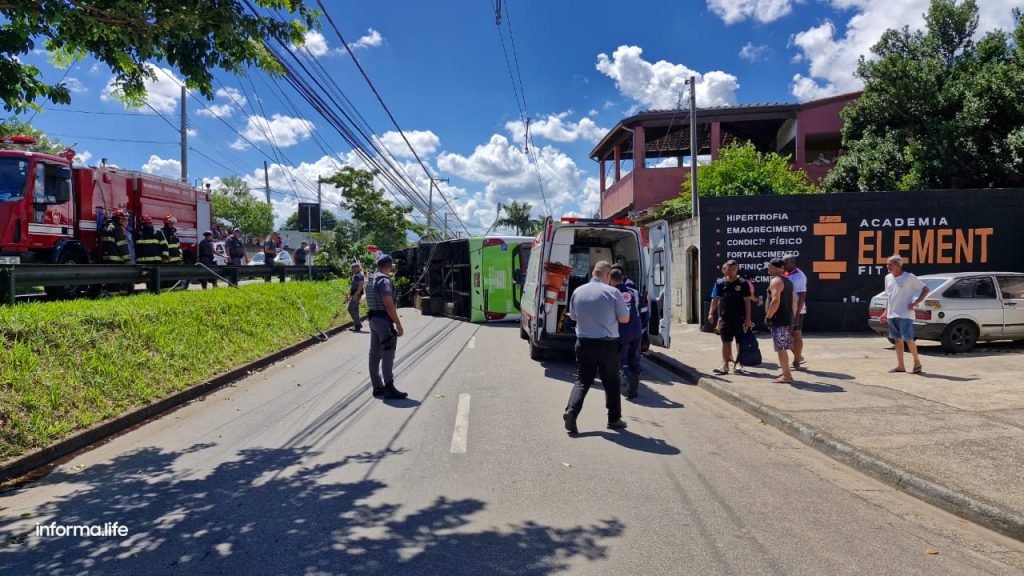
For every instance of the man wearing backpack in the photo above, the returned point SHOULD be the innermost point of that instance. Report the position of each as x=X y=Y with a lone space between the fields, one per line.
x=733 y=305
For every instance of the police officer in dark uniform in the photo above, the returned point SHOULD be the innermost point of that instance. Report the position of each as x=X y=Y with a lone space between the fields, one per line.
x=149 y=246
x=630 y=335
x=204 y=255
x=355 y=294
x=235 y=246
x=113 y=244
x=385 y=329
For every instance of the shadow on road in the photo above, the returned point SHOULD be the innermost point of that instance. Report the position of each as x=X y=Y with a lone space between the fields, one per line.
x=633 y=441
x=269 y=511
x=815 y=386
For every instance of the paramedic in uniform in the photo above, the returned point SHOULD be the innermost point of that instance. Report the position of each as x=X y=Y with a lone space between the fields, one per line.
x=630 y=334
x=598 y=308
x=385 y=329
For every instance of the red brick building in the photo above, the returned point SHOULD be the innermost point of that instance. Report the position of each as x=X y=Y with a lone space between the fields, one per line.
x=644 y=159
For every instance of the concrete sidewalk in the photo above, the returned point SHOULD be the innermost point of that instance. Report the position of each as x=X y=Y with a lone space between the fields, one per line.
x=953 y=436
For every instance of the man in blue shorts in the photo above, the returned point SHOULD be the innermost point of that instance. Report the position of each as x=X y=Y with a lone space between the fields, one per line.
x=900 y=289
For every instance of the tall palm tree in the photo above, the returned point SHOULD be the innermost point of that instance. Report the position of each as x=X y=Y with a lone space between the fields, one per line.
x=518 y=216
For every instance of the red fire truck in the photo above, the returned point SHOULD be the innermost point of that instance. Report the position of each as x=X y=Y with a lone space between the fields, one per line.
x=52 y=212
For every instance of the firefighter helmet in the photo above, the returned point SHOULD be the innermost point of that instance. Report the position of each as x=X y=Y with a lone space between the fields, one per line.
x=170 y=219
x=147 y=219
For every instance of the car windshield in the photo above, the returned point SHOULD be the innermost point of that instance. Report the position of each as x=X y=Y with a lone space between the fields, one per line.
x=13 y=174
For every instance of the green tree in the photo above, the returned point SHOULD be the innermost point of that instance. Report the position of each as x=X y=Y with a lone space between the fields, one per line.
x=327 y=220
x=234 y=205
x=195 y=37
x=16 y=127
x=939 y=110
x=740 y=170
x=385 y=223
x=517 y=216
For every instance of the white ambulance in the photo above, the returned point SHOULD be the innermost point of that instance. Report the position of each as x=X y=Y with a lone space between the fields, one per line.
x=561 y=259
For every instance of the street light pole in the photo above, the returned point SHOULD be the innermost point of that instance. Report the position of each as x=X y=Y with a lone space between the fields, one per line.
x=694 y=206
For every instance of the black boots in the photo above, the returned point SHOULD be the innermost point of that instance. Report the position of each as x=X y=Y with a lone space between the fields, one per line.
x=389 y=392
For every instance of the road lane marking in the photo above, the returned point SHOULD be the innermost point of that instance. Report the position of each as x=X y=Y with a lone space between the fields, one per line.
x=461 y=432
x=472 y=343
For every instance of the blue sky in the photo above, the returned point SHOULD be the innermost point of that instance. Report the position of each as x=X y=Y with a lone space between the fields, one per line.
x=440 y=68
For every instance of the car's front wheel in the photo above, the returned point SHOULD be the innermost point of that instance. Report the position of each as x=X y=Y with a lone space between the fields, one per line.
x=959 y=337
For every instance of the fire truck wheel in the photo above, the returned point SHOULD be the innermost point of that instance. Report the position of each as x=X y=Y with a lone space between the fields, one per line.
x=69 y=290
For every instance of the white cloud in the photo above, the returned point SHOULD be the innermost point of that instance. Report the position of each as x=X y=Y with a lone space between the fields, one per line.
x=659 y=85
x=593 y=112
x=82 y=158
x=232 y=100
x=315 y=43
x=425 y=142
x=557 y=128
x=163 y=93
x=283 y=131
x=832 y=60
x=75 y=85
x=753 y=53
x=168 y=168
x=764 y=11
x=372 y=39
x=506 y=174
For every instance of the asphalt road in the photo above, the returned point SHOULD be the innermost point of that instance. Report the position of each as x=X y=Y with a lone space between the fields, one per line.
x=297 y=470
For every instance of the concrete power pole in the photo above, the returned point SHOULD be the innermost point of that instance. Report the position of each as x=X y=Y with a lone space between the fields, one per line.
x=319 y=203
x=184 y=135
x=266 y=180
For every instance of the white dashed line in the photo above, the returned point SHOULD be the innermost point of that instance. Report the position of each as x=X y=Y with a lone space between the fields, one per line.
x=472 y=343
x=461 y=433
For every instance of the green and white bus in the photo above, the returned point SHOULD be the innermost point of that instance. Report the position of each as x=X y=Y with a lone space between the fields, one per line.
x=478 y=279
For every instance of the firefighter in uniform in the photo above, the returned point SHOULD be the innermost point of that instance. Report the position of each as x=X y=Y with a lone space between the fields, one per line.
x=172 y=244
x=149 y=246
x=385 y=329
x=113 y=244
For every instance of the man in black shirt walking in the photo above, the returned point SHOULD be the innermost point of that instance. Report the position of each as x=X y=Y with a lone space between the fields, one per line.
x=733 y=304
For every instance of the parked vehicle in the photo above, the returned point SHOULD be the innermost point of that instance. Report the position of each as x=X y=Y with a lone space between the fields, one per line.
x=283 y=258
x=964 y=308
x=561 y=259
x=52 y=212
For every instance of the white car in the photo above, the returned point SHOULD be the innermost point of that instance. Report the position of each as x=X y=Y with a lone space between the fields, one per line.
x=283 y=259
x=964 y=308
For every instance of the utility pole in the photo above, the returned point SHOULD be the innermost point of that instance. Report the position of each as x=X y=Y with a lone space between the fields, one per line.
x=266 y=180
x=319 y=203
x=695 y=207
x=430 y=201
x=184 y=136
x=445 y=225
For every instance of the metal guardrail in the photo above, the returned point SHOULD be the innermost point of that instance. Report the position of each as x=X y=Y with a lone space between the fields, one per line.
x=18 y=276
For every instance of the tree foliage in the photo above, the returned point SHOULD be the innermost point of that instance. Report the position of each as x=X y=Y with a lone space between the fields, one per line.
x=939 y=110
x=327 y=220
x=236 y=206
x=740 y=170
x=16 y=127
x=385 y=224
x=517 y=216
x=195 y=37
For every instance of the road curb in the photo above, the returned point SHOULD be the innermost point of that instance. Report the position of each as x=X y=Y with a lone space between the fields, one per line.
x=984 y=513
x=15 y=471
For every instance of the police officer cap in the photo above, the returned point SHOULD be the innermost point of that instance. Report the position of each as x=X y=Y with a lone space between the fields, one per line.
x=233 y=230
x=384 y=259
x=357 y=265
x=207 y=233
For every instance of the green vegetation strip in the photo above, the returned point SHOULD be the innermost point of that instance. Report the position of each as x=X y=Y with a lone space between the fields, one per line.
x=65 y=366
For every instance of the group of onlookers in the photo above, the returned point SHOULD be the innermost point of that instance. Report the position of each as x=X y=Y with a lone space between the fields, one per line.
x=733 y=297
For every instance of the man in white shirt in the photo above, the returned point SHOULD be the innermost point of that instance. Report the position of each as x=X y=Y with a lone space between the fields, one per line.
x=900 y=291
x=799 y=280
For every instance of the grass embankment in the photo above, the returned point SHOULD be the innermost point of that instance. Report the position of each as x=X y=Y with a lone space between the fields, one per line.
x=67 y=365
